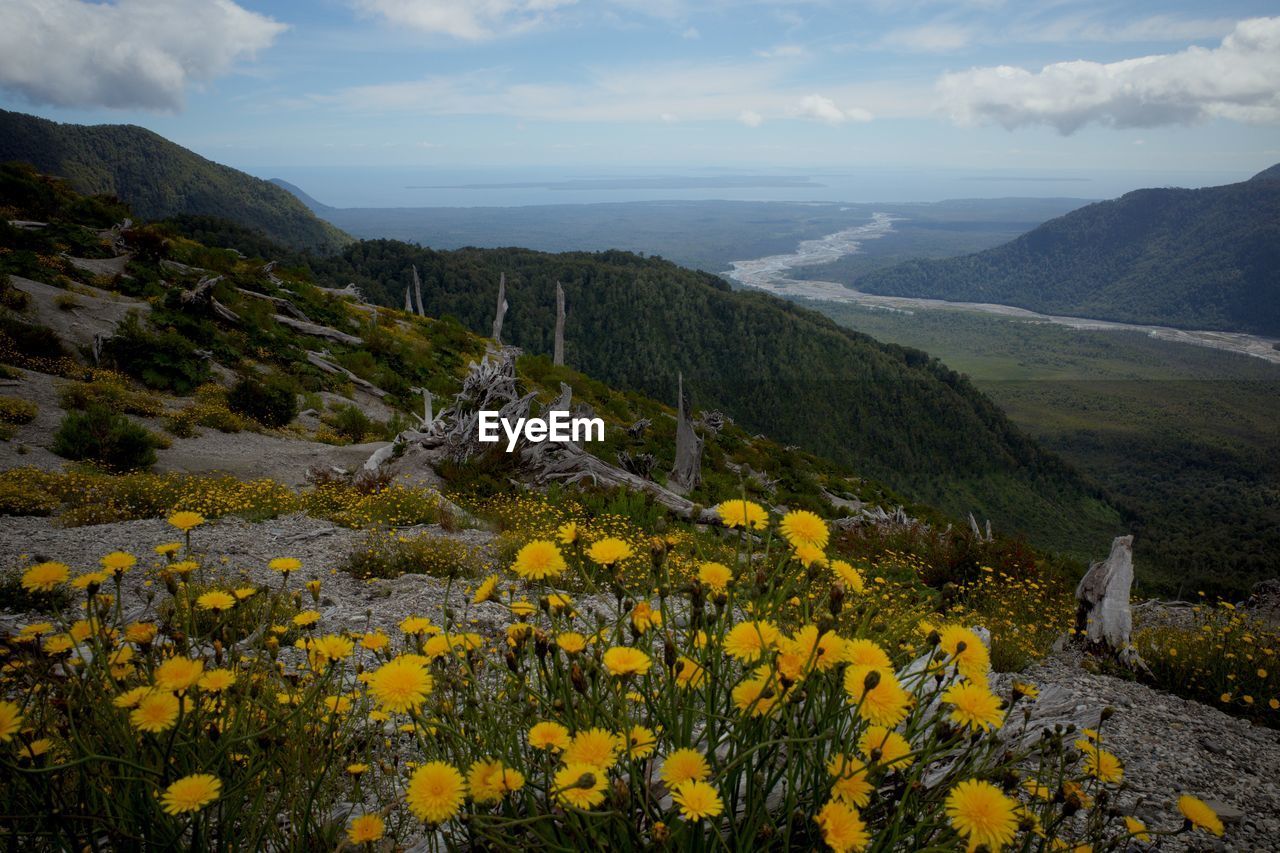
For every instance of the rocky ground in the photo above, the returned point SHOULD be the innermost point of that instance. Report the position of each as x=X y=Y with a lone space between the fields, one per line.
x=1170 y=746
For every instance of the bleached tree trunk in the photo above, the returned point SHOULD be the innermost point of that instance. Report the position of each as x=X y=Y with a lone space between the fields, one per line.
x=558 y=358
x=1103 y=613
x=417 y=291
x=408 y=299
x=501 y=310
x=686 y=475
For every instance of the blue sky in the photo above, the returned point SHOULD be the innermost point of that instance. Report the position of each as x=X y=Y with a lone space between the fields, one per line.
x=584 y=84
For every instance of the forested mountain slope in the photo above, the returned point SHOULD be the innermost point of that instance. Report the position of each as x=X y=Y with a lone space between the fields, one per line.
x=892 y=413
x=158 y=178
x=1206 y=258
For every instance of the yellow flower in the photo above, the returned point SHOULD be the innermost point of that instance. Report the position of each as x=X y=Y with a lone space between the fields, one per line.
x=842 y=827
x=684 y=765
x=178 y=673
x=568 y=533
x=624 y=660
x=580 y=785
x=45 y=577
x=130 y=698
x=982 y=814
x=849 y=576
x=489 y=781
x=400 y=685
x=191 y=793
x=168 y=549
x=331 y=648
x=306 y=618
x=183 y=567
x=1023 y=688
x=966 y=650
x=644 y=617
x=593 y=747
x=285 y=565
x=523 y=608
x=10 y=720
x=1137 y=829
x=157 y=711
x=244 y=592
x=851 y=785
x=697 y=800
x=689 y=673
x=758 y=695
x=366 y=829
x=748 y=641
x=801 y=527
x=185 y=521
x=715 y=576
x=862 y=652
x=974 y=706
x=1102 y=765
x=217 y=680
x=640 y=742
x=485 y=591
x=571 y=641
x=609 y=551
x=740 y=513
x=216 y=600
x=1199 y=814
x=878 y=695
x=559 y=602
x=418 y=625
x=546 y=735
x=886 y=747
x=375 y=641
x=118 y=561
x=435 y=792
x=539 y=560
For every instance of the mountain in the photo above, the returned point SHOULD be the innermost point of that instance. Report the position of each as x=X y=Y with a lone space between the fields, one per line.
x=158 y=178
x=890 y=413
x=1206 y=258
x=316 y=207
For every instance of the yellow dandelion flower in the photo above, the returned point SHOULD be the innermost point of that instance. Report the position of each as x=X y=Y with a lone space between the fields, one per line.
x=400 y=685
x=802 y=527
x=1137 y=829
x=740 y=513
x=285 y=565
x=609 y=551
x=689 y=673
x=684 y=765
x=186 y=521
x=862 y=652
x=157 y=711
x=366 y=829
x=842 y=827
x=593 y=747
x=886 y=747
x=624 y=661
x=118 y=561
x=878 y=695
x=485 y=591
x=580 y=785
x=10 y=720
x=1200 y=815
x=178 y=673
x=306 y=618
x=216 y=600
x=697 y=800
x=489 y=781
x=974 y=706
x=435 y=792
x=641 y=742
x=966 y=650
x=748 y=641
x=568 y=533
x=548 y=735
x=981 y=813
x=851 y=783
x=571 y=642
x=715 y=576
x=191 y=793
x=45 y=577
x=217 y=680
x=850 y=577
x=539 y=560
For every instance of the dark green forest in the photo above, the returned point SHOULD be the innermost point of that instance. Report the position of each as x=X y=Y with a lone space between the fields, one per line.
x=159 y=179
x=1206 y=259
x=894 y=414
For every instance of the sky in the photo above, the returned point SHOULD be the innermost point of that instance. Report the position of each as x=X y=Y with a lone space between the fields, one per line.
x=1178 y=88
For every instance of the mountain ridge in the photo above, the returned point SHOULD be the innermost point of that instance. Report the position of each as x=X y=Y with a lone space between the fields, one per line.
x=159 y=178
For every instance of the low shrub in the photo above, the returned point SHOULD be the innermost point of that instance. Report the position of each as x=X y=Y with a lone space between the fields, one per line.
x=110 y=391
x=164 y=360
x=350 y=423
x=101 y=436
x=271 y=400
x=388 y=555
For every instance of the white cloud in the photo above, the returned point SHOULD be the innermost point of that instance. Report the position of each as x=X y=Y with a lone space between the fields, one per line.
x=929 y=38
x=824 y=109
x=1239 y=80
x=471 y=20
x=691 y=33
x=751 y=118
x=669 y=118
x=127 y=54
x=784 y=51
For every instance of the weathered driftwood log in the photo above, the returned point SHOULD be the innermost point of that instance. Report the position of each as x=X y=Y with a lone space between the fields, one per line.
x=428 y=416
x=501 y=310
x=283 y=306
x=201 y=296
x=637 y=429
x=408 y=299
x=316 y=330
x=713 y=422
x=686 y=474
x=1102 y=598
x=558 y=356
x=343 y=292
x=327 y=366
x=640 y=464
